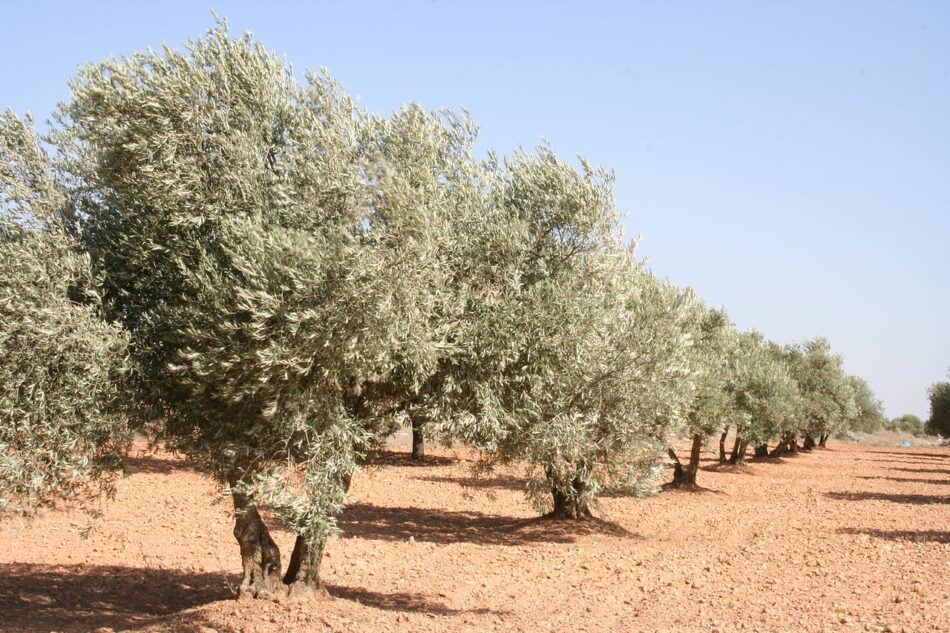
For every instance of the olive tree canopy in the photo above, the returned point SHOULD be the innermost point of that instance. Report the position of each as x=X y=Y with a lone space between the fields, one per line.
x=60 y=363
x=276 y=275
x=571 y=356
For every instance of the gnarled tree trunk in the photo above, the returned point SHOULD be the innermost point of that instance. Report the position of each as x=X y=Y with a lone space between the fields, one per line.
x=686 y=476
x=808 y=443
x=303 y=571
x=823 y=441
x=762 y=450
x=792 y=444
x=260 y=556
x=786 y=445
x=722 y=445
x=568 y=506
x=738 y=451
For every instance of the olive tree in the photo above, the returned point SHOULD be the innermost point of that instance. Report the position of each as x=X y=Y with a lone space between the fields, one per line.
x=429 y=164
x=572 y=357
x=275 y=275
x=765 y=394
x=712 y=408
x=939 y=421
x=827 y=392
x=868 y=410
x=907 y=423
x=61 y=430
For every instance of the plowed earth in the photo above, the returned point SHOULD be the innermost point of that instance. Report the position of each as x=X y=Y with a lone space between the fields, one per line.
x=852 y=538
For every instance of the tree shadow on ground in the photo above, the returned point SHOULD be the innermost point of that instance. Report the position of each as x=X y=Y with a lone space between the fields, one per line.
x=44 y=598
x=383 y=458
x=909 y=454
x=691 y=489
x=405 y=602
x=507 y=483
x=152 y=463
x=778 y=460
x=898 y=461
x=914 y=536
x=894 y=498
x=910 y=481
x=363 y=520
x=936 y=471
x=744 y=468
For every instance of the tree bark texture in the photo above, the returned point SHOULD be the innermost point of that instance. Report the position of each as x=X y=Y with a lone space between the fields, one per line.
x=418 y=441
x=303 y=570
x=792 y=444
x=823 y=441
x=568 y=506
x=738 y=451
x=762 y=450
x=722 y=445
x=260 y=557
x=808 y=443
x=685 y=476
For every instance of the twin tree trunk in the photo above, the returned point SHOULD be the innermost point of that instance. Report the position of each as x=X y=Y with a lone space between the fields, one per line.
x=808 y=443
x=738 y=451
x=789 y=444
x=260 y=559
x=823 y=441
x=685 y=476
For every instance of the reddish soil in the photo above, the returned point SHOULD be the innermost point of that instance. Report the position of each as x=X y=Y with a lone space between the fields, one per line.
x=848 y=539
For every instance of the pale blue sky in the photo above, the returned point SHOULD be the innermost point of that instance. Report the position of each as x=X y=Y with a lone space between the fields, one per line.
x=789 y=160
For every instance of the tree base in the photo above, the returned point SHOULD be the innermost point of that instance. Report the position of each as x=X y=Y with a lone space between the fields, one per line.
x=563 y=514
x=296 y=592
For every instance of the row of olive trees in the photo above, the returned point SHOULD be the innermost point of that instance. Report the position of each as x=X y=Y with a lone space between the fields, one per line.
x=273 y=278
x=764 y=392
x=279 y=277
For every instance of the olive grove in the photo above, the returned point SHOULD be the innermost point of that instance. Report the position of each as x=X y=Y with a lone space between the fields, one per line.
x=274 y=279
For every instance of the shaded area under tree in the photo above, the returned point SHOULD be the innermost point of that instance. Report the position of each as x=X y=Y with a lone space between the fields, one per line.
x=44 y=598
x=893 y=498
x=363 y=520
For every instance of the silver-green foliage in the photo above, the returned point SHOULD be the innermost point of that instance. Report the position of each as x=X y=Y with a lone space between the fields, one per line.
x=273 y=251
x=60 y=363
x=828 y=402
x=571 y=356
x=766 y=397
x=868 y=410
x=712 y=406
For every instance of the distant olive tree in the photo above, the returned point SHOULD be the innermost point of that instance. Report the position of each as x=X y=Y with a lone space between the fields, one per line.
x=61 y=430
x=907 y=423
x=428 y=163
x=765 y=395
x=939 y=421
x=711 y=408
x=868 y=412
x=828 y=397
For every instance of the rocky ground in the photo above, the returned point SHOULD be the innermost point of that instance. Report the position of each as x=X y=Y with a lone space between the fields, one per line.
x=853 y=538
